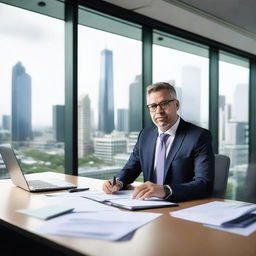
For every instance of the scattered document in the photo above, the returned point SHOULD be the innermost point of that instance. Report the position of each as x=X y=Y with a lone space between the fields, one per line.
x=113 y=226
x=122 y=199
x=47 y=212
x=80 y=204
x=100 y=196
x=215 y=214
x=62 y=194
x=239 y=231
x=59 y=194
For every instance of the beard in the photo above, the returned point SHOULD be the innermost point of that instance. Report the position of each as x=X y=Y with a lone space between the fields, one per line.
x=162 y=125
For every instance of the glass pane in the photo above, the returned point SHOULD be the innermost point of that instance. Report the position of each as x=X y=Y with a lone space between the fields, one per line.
x=32 y=88
x=185 y=65
x=233 y=120
x=52 y=8
x=110 y=93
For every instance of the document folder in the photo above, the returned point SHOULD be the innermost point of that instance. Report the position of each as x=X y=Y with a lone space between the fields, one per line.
x=122 y=199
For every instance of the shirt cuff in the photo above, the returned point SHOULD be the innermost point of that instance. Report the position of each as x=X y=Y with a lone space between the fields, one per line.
x=120 y=183
x=169 y=194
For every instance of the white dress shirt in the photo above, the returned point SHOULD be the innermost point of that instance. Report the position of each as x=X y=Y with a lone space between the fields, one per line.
x=172 y=132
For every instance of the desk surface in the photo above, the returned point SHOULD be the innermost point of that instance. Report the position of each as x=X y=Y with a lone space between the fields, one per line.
x=164 y=236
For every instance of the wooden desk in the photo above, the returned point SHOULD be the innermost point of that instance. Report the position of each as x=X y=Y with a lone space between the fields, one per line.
x=164 y=236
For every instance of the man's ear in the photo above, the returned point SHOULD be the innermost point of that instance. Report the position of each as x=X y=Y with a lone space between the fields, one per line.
x=177 y=105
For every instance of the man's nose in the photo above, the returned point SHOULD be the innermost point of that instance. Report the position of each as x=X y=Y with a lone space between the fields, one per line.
x=159 y=109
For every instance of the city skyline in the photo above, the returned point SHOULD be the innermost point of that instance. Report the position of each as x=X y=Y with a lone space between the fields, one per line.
x=46 y=65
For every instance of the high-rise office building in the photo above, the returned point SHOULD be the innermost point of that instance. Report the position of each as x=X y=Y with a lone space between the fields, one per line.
x=132 y=139
x=84 y=126
x=135 y=111
x=238 y=133
x=106 y=93
x=21 y=104
x=107 y=147
x=240 y=111
x=6 y=122
x=222 y=118
x=191 y=94
x=59 y=123
x=122 y=120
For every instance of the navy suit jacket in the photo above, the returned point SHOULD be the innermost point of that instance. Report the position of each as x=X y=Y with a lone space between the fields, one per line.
x=190 y=162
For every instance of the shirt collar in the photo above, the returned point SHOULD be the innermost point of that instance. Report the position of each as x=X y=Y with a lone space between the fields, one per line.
x=173 y=129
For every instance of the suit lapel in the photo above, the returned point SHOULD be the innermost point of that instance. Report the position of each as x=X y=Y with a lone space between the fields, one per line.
x=179 y=137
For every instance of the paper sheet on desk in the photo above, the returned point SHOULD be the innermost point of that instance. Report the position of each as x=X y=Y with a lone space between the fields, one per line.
x=47 y=212
x=80 y=204
x=213 y=214
x=101 y=196
x=123 y=199
x=239 y=231
x=100 y=225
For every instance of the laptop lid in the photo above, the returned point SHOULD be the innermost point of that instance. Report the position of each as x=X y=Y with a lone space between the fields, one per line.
x=18 y=178
x=13 y=167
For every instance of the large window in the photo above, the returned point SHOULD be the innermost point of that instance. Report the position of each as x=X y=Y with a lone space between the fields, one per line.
x=32 y=88
x=185 y=65
x=109 y=93
x=233 y=120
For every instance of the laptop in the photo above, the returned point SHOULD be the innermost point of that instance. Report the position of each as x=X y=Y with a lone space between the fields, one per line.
x=19 y=179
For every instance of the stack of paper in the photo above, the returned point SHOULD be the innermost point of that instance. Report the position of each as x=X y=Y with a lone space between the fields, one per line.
x=115 y=225
x=218 y=214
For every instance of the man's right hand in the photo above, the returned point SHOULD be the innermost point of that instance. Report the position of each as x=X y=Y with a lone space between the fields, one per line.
x=109 y=188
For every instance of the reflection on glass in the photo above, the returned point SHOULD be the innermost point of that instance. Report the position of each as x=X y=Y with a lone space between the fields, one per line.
x=109 y=102
x=185 y=66
x=32 y=89
x=233 y=120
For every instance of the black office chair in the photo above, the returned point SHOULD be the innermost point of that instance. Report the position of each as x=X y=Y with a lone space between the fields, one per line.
x=222 y=164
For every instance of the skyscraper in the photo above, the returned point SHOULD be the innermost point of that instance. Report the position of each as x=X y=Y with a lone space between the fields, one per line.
x=59 y=123
x=122 y=120
x=84 y=126
x=106 y=94
x=135 y=111
x=191 y=94
x=222 y=118
x=6 y=122
x=21 y=104
x=240 y=103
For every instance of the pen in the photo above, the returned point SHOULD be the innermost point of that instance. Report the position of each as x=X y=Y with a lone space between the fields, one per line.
x=77 y=190
x=114 y=181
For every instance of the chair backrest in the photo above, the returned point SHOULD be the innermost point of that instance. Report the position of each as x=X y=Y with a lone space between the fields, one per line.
x=222 y=164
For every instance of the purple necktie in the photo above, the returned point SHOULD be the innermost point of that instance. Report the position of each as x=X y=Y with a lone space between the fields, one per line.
x=160 y=164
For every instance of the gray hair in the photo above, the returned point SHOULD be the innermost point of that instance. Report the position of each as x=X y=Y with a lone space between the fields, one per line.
x=162 y=86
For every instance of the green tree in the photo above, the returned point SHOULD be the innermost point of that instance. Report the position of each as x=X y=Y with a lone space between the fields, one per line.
x=46 y=162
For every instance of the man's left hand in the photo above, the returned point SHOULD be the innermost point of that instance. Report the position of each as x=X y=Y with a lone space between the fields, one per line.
x=148 y=189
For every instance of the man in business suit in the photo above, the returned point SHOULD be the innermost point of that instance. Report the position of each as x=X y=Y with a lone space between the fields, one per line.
x=176 y=157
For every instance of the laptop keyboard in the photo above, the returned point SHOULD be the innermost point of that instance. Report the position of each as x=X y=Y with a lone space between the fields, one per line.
x=39 y=184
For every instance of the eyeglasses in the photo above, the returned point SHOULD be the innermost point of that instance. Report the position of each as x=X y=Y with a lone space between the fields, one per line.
x=163 y=105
